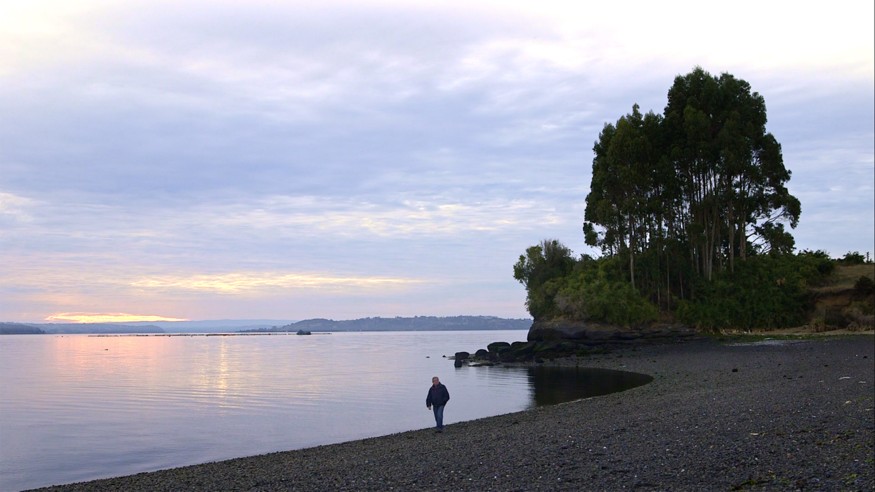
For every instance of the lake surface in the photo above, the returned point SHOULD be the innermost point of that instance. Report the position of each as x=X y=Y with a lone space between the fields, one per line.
x=79 y=407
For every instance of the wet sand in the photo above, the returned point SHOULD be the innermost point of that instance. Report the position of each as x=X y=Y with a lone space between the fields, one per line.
x=767 y=416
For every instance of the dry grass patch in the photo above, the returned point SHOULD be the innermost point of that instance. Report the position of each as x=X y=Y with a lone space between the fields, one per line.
x=844 y=277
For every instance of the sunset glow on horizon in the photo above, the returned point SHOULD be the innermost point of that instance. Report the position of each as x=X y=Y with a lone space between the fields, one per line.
x=245 y=281
x=107 y=318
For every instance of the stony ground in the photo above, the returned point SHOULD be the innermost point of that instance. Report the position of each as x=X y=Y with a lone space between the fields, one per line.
x=767 y=416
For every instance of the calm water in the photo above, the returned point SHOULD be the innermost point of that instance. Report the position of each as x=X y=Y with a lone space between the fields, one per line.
x=78 y=407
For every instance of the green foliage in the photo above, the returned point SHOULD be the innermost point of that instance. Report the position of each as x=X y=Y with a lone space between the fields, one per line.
x=764 y=292
x=776 y=240
x=853 y=258
x=542 y=270
x=820 y=260
x=595 y=297
x=593 y=290
x=702 y=184
x=689 y=208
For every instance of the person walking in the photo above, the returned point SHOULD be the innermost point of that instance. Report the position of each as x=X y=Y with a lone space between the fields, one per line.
x=437 y=399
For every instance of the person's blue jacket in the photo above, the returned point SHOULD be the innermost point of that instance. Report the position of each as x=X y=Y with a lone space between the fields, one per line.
x=437 y=396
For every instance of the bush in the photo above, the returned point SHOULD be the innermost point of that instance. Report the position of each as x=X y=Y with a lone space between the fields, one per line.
x=590 y=295
x=864 y=286
x=764 y=292
x=820 y=260
x=853 y=258
x=542 y=270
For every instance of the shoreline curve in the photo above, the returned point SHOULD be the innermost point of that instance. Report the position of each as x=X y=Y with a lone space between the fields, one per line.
x=718 y=416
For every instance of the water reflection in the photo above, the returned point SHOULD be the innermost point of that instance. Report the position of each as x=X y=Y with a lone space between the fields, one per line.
x=77 y=407
x=552 y=385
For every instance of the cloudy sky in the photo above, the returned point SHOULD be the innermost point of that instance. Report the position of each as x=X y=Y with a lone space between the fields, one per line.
x=269 y=159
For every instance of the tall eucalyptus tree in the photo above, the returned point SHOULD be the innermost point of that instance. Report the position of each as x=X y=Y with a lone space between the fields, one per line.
x=731 y=171
x=692 y=189
x=624 y=187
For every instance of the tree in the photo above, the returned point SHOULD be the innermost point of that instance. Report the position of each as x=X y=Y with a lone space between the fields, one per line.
x=541 y=270
x=687 y=207
x=623 y=187
x=693 y=191
x=731 y=170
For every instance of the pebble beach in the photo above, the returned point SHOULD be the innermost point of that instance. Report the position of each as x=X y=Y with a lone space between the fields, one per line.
x=768 y=415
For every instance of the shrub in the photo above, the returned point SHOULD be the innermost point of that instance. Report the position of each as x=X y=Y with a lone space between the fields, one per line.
x=819 y=260
x=864 y=286
x=542 y=270
x=853 y=258
x=590 y=295
x=764 y=292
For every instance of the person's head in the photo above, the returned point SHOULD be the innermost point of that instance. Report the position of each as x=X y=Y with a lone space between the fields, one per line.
x=435 y=381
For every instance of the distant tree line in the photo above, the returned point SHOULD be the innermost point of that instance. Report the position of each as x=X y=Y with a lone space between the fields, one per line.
x=416 y=323
x=689 y=209
x=19 y=329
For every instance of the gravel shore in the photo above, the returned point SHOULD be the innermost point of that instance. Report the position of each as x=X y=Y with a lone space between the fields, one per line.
x=788 y=415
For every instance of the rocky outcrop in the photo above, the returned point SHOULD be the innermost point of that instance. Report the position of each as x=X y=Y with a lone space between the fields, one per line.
x=562 y=338
x=598 y=334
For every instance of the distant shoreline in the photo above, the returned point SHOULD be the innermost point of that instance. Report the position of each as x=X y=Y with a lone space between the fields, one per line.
x=784 y=414
x=234 y=334
x=416 y=323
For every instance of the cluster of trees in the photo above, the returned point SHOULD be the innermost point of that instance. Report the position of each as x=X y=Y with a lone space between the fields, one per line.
x=689 y=209
x=560 y=286
x=687 y=193
x=764 y=291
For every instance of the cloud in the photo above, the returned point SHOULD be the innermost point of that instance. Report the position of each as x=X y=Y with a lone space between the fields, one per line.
x=107 y=318
x=242 y=282
x=15 y=208
x=260 y=147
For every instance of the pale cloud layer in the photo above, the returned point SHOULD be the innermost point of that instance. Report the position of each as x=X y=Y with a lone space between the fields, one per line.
x=283 y=160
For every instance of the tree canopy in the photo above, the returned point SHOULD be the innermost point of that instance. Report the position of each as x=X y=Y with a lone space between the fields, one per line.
x=679 y=204
x=539 y=271
x=693 y=190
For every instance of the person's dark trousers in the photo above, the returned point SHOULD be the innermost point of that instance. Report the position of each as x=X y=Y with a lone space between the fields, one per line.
x=439 y=416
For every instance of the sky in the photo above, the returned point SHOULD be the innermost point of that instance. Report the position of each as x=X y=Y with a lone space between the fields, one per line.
x=191 y=160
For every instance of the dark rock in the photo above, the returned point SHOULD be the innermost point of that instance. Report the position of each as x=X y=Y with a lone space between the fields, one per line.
x=597 y=334
x=498 y=347
x=554 y=339
x=518 y=351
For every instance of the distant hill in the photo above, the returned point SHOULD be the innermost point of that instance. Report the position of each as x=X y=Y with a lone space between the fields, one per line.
x=97 y=328
x=417 y=323
x=19 y=329
x=216 y=326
